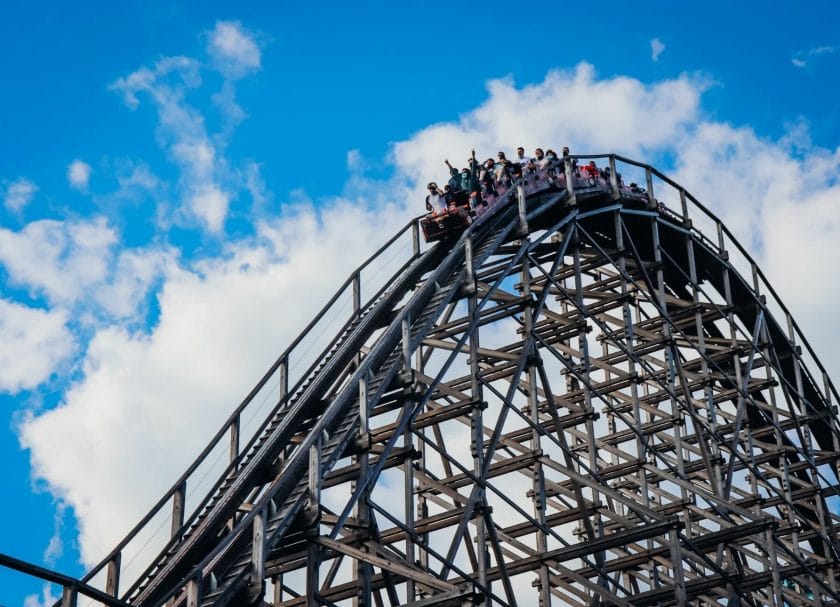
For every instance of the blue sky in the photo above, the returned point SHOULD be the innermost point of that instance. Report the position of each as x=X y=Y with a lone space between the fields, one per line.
x=166 y=167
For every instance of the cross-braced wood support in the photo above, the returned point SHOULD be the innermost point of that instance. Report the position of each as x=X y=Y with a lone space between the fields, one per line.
x=579 y=402
x=604 y=418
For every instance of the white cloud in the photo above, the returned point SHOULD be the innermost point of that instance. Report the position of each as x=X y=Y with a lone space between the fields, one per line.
x=220 y=326
x=573 y=108
x=78 y=175
x=35 y=342
x=255 y=183
x=58 y=259
x=210 y=204
x=18 y=194
x=46 y=599
x=146 y=80
x=207 y=181
x=233 y=49
x=656 y=49
x=802 y=59
x=80 y=266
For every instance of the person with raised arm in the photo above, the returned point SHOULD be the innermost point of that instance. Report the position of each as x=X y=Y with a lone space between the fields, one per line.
x=435 y=201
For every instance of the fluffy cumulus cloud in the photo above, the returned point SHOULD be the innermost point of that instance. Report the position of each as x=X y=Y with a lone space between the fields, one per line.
x=78 y=175
x=156 y=397
x=570 y=107
x=35 y=342
x=58 y=259
x=18 y=194
x=80 y=266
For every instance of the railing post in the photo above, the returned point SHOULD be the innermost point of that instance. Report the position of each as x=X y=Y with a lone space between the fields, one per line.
x=684 y=208
x=178 y=501
x=721 y=242
x=357 y=293
x=469 y=282
x=258 y=551
x=284 y=377
x=415 y=237
x=192 y=593
x=649 y=184
x=523 y=212
x=234 y=438
x=112 y=577
x=69 y=596
x=406 y=343
x=616 y=194
x=570 y=186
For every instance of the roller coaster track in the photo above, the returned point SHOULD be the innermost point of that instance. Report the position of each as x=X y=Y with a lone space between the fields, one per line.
x=588 y=398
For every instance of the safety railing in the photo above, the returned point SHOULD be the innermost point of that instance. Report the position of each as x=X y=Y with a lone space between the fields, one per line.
x=701 y=223
x=171 y=516
x=71 y=588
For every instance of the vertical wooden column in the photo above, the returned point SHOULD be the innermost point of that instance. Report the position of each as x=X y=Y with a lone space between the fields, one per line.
x=258 y=553
x=672 y=362
x=630 y=340
x=422 y=507
x=277 y=581
x=537 y=476
x=192 y=594
x=314 y=505
x=362 y=573
x=476 y=415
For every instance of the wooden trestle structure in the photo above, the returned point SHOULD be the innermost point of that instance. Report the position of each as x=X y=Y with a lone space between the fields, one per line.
x=587 y=399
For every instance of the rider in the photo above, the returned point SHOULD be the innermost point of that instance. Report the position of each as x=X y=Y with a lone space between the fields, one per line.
x=435 y=202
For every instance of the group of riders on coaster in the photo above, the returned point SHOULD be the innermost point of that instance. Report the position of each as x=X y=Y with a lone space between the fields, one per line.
x=470 y=191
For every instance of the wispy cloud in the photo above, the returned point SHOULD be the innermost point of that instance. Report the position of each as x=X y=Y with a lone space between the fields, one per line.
x=208 y=182
x=233 y=50
x=78 y=175
x=802 y=59
x=18 y=194
x=657 y=47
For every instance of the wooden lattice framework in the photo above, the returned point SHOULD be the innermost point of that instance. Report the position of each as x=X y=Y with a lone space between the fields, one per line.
x=582 y=401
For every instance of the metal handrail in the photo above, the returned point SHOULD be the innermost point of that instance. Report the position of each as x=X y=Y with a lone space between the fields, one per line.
x=232 y=418
x=448 y=265
x=71 y=587
x=724 y=230
x=291 y=393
